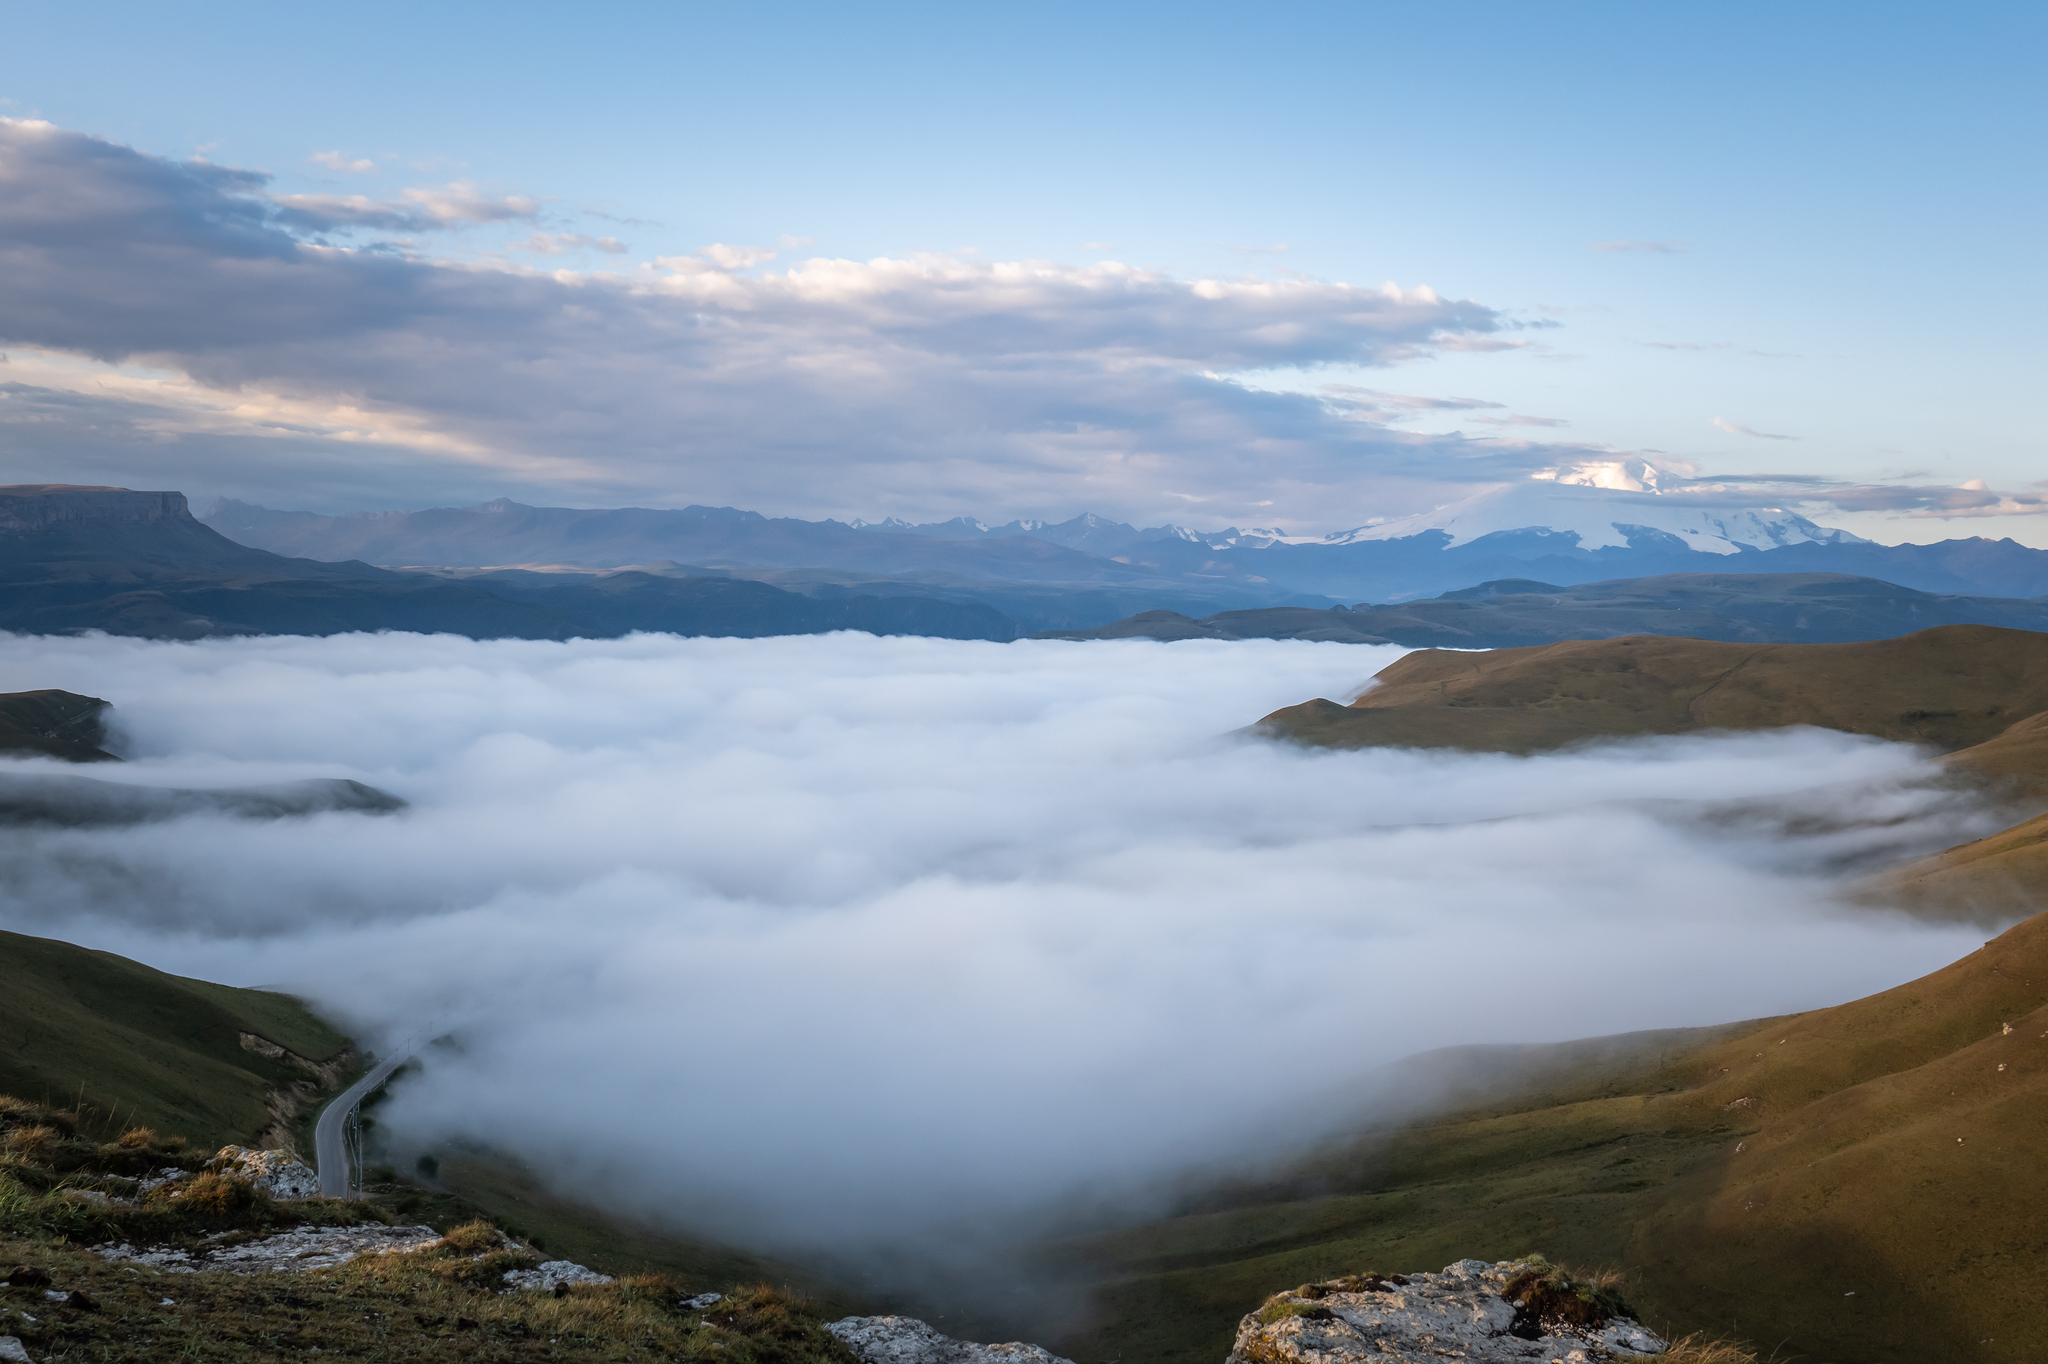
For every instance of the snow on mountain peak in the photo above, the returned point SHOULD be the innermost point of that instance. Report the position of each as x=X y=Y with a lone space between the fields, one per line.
x=1602 y=505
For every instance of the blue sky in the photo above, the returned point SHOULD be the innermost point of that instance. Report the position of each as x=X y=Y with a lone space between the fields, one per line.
x=1740 y=240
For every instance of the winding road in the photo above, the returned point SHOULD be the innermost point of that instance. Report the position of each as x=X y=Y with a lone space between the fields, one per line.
x=330 y=1155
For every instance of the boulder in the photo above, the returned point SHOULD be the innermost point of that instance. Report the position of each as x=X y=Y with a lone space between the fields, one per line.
x=280 y=1174
x=551 y=1275
x=906 y=1340
x=1459 y=1314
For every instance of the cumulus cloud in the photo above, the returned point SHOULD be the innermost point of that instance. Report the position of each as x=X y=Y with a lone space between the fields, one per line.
x=827 y=942
x=936 y=384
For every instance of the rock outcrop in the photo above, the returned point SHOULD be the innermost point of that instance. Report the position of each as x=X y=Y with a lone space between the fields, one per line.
x=551 y=1275
x=277 y=1173
x=1460 y=1314
x=906 y=1340
x=291 y=1252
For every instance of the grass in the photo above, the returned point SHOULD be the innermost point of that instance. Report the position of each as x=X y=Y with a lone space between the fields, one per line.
x=121 y=1045
x=1953 y=687
x=431 y=1305
x=1841 y=1174
x=443 y=1302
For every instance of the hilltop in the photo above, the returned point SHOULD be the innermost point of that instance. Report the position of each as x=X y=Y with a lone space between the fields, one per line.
x=1953 y=686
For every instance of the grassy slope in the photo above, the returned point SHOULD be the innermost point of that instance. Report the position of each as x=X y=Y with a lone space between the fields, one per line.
x=1954 y=686
x=163 y=1051
x=60 y=724
x=1850 y=1179
x=1802 y=1183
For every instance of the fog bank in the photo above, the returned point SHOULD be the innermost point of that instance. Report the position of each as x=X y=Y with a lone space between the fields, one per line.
x=823 y=941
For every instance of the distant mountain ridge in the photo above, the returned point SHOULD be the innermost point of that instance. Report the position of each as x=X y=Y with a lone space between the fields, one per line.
x=1608 y=534
x=1773 y=608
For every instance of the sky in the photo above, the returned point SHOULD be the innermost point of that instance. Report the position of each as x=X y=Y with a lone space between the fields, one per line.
x=1295 y=265
x=823 y=941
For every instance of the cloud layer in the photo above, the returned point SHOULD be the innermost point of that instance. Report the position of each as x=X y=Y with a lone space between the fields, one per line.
x=830 y=941
x=931 y=385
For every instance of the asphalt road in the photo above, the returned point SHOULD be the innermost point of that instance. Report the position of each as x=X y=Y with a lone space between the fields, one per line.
x=330 y=1155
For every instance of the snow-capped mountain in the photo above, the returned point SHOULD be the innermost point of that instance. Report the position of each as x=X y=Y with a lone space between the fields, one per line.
x=1604 y=517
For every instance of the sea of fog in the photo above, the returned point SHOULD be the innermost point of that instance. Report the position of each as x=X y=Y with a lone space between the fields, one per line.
x=824 y=941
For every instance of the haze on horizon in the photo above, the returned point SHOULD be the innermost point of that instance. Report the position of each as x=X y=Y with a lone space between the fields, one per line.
x=1307 y=268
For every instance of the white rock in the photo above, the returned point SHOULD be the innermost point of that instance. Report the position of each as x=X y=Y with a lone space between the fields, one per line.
x=290 y=1252
x=277 y=1173
x=702 y=1301
x=906 y=1340
x=549 y=1274
x=1456 y=1315
x=160 y=1178
x=12 y=1351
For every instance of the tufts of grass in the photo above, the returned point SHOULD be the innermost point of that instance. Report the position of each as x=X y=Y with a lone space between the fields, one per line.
x=1545 y=1296
x=54 y=1184
x=445 y=1302
x=1695 y=1349
x=1283 y=1307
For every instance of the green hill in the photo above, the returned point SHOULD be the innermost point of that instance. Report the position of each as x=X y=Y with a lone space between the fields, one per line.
x=59 y=724
x=1749 y=1185
x=1953 y=686
x=1861 y=1183
x=142 y=1048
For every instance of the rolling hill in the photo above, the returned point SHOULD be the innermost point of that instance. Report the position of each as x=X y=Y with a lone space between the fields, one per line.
x=143 y=1048
x=1759 y=608
x=1953 y=686
x=1856 y=1184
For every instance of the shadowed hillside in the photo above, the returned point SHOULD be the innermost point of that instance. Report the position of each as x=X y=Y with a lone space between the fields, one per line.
x=167 y=1052
x=60 y=724
x=1752 y=608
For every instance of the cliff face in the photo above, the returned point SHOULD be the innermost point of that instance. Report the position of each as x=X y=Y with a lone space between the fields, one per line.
x=40 y=506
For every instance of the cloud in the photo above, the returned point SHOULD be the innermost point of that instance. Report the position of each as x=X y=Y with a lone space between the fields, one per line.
x=736 y=257
x=887 y=938
x=340 y=162
x=1520 y=419
x=1097 y=246
x=1407 y=402
x=562 y=243
x=932 y=384
x=1666 y=248
x=1737 y=429
x=1277 y=249
x=460 y=203
x=789 y=243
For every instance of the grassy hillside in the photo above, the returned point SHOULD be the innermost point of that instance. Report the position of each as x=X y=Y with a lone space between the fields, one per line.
x=144 y=1048
x=59 y=724
x=1749 y=1185
x=1861 y=1183
x=1954 y=686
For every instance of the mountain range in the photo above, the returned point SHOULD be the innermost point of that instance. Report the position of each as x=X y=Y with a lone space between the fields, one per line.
x=1087 y=571
x=1815 y=608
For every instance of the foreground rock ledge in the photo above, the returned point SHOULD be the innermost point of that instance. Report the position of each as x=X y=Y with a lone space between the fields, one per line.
x=1458 y=1314
x=906 y=1340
